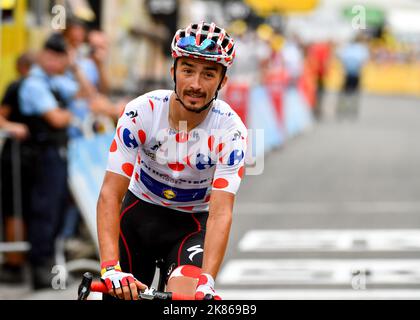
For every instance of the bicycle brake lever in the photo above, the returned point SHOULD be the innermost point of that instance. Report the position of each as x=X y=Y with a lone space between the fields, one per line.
x=148 y=294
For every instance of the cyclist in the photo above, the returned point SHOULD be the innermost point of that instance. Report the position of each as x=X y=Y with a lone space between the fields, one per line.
x=180 y=153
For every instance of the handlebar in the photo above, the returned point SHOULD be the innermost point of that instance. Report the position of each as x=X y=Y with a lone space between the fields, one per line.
x=88 y=285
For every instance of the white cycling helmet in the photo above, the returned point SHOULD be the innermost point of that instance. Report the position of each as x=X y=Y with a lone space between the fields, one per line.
x=204 y=41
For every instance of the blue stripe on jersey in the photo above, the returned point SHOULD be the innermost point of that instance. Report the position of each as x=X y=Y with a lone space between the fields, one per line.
x=171 y=193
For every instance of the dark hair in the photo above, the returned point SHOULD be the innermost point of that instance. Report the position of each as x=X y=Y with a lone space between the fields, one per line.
x=56 y=43
x=26 y=59
x=75 y=21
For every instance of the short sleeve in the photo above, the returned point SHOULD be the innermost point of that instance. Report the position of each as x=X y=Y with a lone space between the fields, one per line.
x=132 y=130
x=36 y=98
x=231 y=164
x=66 y=86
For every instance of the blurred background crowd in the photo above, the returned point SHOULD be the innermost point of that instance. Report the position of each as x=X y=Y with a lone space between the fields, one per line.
x=66 y=77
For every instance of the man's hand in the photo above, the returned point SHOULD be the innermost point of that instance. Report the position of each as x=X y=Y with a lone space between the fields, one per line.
x=17 y=130
x=205 y=288
x=120 y=284
x=99 y=44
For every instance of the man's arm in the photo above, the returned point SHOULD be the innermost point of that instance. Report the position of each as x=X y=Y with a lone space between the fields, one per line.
x=218 y=229
x=108 y=222
x=58 y=118
x=86 y=89
x=99 y=44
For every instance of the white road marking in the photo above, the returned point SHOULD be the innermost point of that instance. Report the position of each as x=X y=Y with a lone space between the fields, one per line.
x=253 y=208
x=347 y=240
x=319 y=272
x=319 y=294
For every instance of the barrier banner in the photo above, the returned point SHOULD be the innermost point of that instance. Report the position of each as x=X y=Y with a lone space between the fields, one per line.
x=237 y=96
x=275 y=82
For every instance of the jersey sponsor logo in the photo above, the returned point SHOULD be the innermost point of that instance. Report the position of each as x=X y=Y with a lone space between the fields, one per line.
x=235 y=157
x=169 y=179
x=204 y=162
x=156 y=98
x=157 y=146
x=129 y=139
x=132 y=114
x=194 y=250
x=237 y=135
x=171 y=193
x=218 y=111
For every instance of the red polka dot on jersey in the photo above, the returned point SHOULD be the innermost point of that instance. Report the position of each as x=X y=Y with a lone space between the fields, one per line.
x=207 y=198
x=151 y=105
x=138 y=159
x=220 y=147
x=176 y=166
x=220 y=183
x=165 y=204
x=114 y=146
x=137 y=177
x=190 y=271
x=211 y=143
x=142 y=136
x=241 y=172
x=128 y=169
x=181 y=137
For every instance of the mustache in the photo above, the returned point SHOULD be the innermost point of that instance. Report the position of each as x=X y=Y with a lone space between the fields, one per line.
x=194 y=92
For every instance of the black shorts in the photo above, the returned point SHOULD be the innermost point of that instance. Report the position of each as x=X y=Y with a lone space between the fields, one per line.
x=351 y=83
x=151 y=232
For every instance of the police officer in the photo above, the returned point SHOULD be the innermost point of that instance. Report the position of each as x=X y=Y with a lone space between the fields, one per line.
x=44 y=97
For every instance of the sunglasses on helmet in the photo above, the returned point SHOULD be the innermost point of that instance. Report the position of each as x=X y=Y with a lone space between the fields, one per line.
x=208 y=46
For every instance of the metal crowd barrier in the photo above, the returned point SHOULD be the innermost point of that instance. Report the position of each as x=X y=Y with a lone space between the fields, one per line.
x=19 y=245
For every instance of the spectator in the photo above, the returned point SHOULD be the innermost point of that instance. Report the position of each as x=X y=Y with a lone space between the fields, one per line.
x=319 y=58
x=11 y=122
x=353 y=56
x=44 y=97
x=90 y=57
x=293 y=60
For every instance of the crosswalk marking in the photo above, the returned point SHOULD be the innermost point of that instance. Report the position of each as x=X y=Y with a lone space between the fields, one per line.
x=330 y=240
x=350 y=207
x=319 y=294
x=320 y=272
